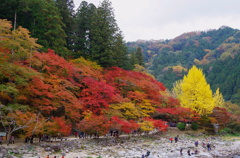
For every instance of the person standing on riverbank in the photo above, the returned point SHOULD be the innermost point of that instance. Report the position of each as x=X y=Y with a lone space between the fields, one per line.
x=181 y=150
x=176 y=139
x=196 y=143
x=189 y=152
x=208 y=147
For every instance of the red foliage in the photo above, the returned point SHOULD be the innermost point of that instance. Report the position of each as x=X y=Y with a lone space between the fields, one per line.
x=129 y=81
x=97 y=95
x=172 y=102
x=49 y=95
x=137 y=97
x=158 y=124
x=123 y=125
x=63 y=127
x=52 y=64
x=40 y=96
x=94 y=125
x=221 y=115
x=179 y=113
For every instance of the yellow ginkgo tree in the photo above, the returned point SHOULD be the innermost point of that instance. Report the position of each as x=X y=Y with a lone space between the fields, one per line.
x=218 y=98
x=194 y=92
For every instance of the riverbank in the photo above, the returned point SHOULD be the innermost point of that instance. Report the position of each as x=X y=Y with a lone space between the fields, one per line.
x=129 y=147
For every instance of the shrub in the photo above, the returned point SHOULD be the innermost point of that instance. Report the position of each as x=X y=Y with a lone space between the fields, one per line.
x=226 y=131
x=181 y=125
x=194 y=126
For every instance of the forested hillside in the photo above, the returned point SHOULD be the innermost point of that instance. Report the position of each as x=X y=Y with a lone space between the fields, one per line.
x=216 y=51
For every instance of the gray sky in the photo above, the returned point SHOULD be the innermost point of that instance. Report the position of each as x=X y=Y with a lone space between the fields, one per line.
x=166 y=19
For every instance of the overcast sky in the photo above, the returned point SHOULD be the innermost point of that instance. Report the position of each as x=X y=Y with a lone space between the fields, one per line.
x=166 y=19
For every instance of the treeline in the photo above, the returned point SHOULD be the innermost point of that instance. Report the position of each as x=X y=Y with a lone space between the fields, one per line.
x=43 y=93
x=215 y=51
x=90 y=31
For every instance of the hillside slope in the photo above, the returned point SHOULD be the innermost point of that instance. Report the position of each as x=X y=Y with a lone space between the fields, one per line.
x=169 y=60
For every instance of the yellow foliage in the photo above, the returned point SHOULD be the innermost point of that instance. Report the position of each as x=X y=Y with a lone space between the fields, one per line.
x=127 y=109
x=194 y=92
x=225 y=55
x=146 y=126
x=204 y=61
x=218 y=98
x=112 y=112
x=177 y=89
x=50 y=127
x=86 y=62
x=147 y=108
x=18 y=41
x=5 y=28
x=179 y=69
x=229 y=39
x=176 y=69
x=196 y=61
x=87 y=114
x=33 y=123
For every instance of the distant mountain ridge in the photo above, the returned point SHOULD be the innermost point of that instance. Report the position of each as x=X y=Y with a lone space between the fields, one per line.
x=169 y=60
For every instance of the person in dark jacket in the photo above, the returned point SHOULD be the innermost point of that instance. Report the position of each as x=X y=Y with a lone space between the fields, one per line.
x=196 y=144
x=176 y=139
x=208 y=147
x=148 y=153
x=189 y=152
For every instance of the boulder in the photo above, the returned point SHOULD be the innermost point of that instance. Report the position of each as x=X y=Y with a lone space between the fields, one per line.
x=56 y=147
x=48 y=149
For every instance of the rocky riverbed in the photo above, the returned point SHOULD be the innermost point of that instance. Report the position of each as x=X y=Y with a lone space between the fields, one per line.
x=125 y=147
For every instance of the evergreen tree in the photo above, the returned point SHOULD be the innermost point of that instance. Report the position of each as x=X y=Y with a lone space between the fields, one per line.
x=104 y=35
x=7 y=9
x=104 y=29
x=194 y=92
x=48 y=27
x=84 y=16
x=66 y=9
x=136 y=58
x=139 y=56
x=16 y=11
x=98 y=36
x=133 y=60
x=121 y=56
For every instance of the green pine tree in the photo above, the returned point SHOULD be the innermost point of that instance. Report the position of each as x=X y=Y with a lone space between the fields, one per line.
x=102 y=34
x=83 y=18
x=66 y=9
x=49 y=27
x=139 y=56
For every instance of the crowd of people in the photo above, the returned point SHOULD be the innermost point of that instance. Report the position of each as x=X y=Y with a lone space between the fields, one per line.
x=190 y=152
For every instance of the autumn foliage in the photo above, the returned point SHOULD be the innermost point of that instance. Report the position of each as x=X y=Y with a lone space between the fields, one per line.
x=80 y=94
x=194 y=92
